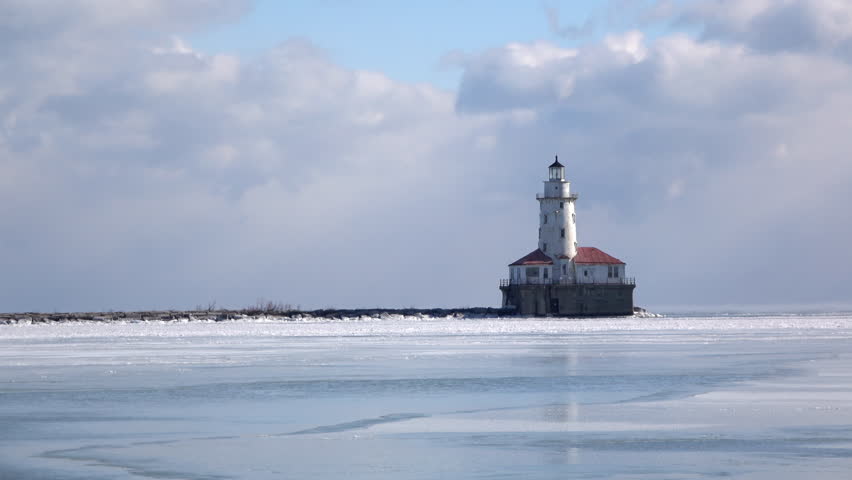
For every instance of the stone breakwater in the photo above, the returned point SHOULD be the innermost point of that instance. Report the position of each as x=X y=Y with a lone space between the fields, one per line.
x=225 y=315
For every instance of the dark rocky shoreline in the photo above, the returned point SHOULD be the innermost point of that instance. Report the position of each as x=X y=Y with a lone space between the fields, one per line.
x=224 y=314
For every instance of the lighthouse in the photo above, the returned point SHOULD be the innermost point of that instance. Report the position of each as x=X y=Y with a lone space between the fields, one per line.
x=561 y=277
x=557 y=220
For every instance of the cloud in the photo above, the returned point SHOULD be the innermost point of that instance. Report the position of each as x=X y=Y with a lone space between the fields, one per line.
x=139 y=172
x=515 y=76
x=567 y=31
x=812 y=26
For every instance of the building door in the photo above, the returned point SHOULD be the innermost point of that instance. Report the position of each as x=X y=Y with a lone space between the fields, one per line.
x=554 y=305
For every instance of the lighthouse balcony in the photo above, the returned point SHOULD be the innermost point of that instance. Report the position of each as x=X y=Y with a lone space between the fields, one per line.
x=505 y=282
x=570 y=196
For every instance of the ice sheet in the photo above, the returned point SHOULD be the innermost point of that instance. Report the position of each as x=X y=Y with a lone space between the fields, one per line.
x=393 y=325
x=407 y=397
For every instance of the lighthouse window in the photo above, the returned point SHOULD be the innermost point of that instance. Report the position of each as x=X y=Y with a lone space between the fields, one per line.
x=532 y=272
x=573 y=218
x=609 y=271
x=563 y=268
x=585 y=273
x=544 y=247
x=561 y=204
x=545 y=273
x=545 y=219
x=563 y=233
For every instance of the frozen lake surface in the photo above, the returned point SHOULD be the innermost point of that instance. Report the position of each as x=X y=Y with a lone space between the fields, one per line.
x=759 y=397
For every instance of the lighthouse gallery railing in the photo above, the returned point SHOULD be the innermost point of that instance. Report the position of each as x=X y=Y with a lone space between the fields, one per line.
x=571 y=196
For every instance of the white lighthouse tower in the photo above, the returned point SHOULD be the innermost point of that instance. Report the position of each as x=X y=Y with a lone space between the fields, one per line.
x=558 y=221
x=557 y=233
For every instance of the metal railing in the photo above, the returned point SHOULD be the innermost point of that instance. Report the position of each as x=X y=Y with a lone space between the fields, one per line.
x=505 y=282
x=571 y=196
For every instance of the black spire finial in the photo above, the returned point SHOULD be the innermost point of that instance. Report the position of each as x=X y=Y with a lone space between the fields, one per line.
x=556 y=162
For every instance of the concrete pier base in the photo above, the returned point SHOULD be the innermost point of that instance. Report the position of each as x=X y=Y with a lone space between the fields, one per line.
x=569 y=300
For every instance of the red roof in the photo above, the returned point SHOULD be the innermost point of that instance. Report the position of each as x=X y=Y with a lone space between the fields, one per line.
x=536 y=257
x=592 y=255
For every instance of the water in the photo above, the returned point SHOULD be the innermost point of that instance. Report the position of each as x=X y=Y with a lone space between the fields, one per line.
x=757 y=397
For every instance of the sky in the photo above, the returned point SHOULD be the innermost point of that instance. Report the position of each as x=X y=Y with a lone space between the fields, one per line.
x=407 y=41
x=173 y=153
